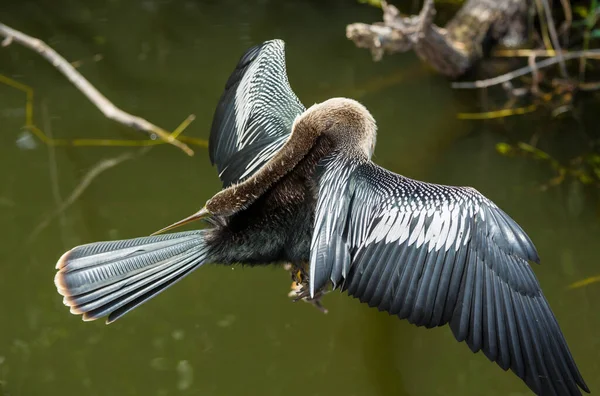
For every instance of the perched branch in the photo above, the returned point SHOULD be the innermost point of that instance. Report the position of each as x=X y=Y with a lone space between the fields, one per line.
x=100 y=101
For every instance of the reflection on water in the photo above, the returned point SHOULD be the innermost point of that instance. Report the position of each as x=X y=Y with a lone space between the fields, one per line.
x=227 y=331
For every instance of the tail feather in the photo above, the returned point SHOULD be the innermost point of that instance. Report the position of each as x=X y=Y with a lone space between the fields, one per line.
x=127 y=283
x=90 y=301
x=117 y=313
x=112 y=278
x=89 y=267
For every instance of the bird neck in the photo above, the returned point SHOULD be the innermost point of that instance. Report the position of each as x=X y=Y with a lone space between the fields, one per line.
x=347 y=126
x=239 y=196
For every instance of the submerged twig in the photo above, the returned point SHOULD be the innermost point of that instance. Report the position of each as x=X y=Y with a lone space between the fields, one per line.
x=94 y=172
x=31 y=127
x=100 y=101
x=488 y=115
x=585 y=282
x=53 y=169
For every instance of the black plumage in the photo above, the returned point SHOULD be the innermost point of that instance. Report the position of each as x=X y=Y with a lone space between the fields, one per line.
x=255 y=113
x=300 y=187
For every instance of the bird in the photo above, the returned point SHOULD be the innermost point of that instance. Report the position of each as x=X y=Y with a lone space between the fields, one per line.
x=299 y=186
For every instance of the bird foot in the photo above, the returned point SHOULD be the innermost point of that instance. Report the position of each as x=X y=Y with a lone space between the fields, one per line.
x=300 y=289
x=301 y=292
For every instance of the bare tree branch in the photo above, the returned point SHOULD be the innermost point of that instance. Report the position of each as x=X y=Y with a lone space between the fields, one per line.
x=545 y=8
x=100 y=101
x=526 y=70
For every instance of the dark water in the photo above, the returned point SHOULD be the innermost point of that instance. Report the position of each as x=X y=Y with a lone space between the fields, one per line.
x=230 y=331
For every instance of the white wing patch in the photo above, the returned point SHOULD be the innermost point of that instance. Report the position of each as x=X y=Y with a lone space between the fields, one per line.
x=435 y=217
x=255 y=113
x=264 y=156
x=245 y=97
x=256 y=97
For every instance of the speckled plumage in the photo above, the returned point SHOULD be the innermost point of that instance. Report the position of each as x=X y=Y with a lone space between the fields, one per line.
x=300 y=187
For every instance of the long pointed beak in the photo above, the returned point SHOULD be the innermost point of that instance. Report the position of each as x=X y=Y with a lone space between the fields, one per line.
x=201 y=214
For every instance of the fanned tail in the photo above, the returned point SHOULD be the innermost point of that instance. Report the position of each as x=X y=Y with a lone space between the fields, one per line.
x=112 y=278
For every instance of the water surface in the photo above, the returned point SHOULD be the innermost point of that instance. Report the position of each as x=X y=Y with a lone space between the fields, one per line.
x=230 y=331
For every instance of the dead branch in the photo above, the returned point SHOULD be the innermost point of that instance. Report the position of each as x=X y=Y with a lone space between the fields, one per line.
x=402 y=34
x=450 y=50
x=544 y=7
x=100 y=101
x=566 y=25
x=526 y=70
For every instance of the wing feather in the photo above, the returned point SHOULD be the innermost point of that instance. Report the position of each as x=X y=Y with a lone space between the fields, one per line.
x=439 y=255
x=255 y=114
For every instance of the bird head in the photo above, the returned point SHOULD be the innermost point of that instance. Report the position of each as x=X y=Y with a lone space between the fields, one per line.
x=345 y=121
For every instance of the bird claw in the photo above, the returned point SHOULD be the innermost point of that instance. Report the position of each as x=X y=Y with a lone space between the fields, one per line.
x=316 y=302
x=300 y=292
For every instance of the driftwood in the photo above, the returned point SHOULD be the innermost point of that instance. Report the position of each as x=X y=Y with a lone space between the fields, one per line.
x=451 y=50
x=100 y=101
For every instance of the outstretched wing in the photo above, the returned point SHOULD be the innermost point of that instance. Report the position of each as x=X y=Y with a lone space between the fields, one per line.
x=434 y=255
x=255 y=114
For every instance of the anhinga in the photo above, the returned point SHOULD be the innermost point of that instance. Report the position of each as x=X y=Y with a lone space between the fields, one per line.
x=300 y=187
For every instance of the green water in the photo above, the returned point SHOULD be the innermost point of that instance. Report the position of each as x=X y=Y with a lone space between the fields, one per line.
x=233 y=331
